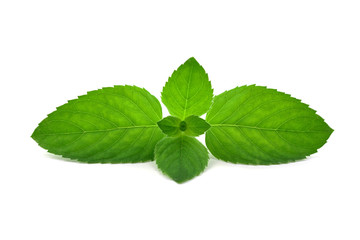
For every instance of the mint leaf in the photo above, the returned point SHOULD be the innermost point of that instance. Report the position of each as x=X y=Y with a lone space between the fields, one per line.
x=110 y=125
x=188 y=91
x=170 y=125
x=256 y=125
x=195 y=126
x=249 y=124
x=191 y=126
x=181 y=158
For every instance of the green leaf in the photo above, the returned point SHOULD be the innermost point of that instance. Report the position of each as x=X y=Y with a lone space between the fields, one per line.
x=195 y=126
x=170 y=125
x=256 y=125
x=181 y=158
x=188 y=91
x=191 y=126
x=110 y=125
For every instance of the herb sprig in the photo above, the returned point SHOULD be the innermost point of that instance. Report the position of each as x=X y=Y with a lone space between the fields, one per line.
x=123 y=124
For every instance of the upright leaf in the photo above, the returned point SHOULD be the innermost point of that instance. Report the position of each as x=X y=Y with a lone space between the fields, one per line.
x=256 y=125
x=188 y=91
x=181 y=158
x=110 y=125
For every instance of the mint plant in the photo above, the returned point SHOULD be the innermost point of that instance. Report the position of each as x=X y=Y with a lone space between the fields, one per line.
x=123 y=124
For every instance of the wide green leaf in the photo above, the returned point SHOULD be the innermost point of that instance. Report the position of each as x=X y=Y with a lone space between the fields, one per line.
x=170 y=125
x=181 y=158
x=188 y=91
x=110 y=125
x=195 y=126
x=256 y=125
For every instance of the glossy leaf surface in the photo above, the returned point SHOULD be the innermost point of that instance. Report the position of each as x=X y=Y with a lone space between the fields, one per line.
x=110 y=125
x=188 y=91
x=257 y=125
x=195 y=126
x=170 y=125
x=181 y=158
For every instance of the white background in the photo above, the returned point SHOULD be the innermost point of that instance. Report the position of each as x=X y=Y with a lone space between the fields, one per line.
x=53 y=51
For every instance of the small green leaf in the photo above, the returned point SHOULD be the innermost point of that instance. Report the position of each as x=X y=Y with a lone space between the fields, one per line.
x=195 y=126
x=188 y=91
x=256 y=125
x=110 y=125
x=170 y=125
x=191 y=126
x=181 y=158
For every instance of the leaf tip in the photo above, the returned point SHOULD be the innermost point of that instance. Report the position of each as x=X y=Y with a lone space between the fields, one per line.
x=180 y=181
x=191 y=59
x=33 y=135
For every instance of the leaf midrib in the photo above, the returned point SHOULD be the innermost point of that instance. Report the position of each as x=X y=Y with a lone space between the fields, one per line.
x=266 y=129
x=101 y=130
x=187 y=91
